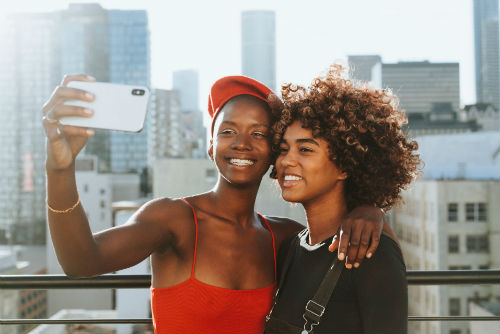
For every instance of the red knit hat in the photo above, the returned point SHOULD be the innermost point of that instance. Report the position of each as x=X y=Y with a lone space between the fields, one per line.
x=228 y=87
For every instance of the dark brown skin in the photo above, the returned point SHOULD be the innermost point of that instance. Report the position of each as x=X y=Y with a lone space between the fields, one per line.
x=234 y=245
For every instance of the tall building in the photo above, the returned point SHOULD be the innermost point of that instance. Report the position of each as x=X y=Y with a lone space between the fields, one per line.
x=113 y=46
x=486 y=51
x=258 y=46
x=28 y=74
x=186 y=83
x=35 y=51
x=449 y=221
x=420 y=84
x=194 y=133
x=165 y=136
x=362 y=67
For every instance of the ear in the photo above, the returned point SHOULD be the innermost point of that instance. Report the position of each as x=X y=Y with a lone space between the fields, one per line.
x=211 y=150
x=343 y=176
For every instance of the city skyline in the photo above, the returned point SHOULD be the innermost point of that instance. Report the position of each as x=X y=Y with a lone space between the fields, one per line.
x=309 y=37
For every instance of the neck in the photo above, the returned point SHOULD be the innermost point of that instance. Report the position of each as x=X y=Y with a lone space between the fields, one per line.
x=236 y=202
x=324 y=215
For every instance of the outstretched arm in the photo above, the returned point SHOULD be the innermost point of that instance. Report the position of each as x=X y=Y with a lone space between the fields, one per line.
x=80 y=252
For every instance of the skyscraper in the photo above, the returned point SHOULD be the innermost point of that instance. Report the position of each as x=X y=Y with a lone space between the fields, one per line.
x=192 y=130
x=258 y=46
x=28 y=62
x=486 y=50
x=186 y=83
x=113 y=46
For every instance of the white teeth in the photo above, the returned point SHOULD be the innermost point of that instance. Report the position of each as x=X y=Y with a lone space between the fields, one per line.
x=292 y=178
x=241 y=162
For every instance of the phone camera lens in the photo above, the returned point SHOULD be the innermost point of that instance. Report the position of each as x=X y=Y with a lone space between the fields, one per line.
x=138 y=92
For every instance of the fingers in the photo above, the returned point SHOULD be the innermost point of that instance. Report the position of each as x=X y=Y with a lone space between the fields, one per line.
x=75 y=77
x=363 y=246
x=69 y=130
x=345 y=235
x=354 y=244
x=62 y=93
x=335 y=243
x=375 y=236
x=62 y=110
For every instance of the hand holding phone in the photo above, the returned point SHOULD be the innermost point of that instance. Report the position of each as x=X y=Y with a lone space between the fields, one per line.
x=116 y=106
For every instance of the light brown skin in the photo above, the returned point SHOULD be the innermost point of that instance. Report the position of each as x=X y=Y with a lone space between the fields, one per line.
x=234 y=246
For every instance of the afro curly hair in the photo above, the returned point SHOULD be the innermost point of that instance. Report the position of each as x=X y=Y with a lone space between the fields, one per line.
x=363 y=128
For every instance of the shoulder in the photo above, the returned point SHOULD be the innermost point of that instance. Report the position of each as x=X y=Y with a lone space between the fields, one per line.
x=387 y=263
x=283 y=228
x=165 y=216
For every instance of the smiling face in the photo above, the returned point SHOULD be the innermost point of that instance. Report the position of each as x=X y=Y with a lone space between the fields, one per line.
x=304 y=169
x=241 y=147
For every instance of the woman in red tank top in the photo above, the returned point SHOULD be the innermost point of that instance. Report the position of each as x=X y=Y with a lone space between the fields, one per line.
x=213 y=258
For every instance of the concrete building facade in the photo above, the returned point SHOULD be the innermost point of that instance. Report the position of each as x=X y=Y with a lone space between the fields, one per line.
x=420 y=84
x=449 y=221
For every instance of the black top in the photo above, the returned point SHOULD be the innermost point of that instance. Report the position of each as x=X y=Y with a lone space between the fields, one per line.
x=370 y=299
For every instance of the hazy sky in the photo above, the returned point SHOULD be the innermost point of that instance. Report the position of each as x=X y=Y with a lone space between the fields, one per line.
x=206 y=34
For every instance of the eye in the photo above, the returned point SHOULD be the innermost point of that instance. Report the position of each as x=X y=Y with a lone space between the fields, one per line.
x=227 y=132
x=305 y=149
x=259 y=134
x=282 y=149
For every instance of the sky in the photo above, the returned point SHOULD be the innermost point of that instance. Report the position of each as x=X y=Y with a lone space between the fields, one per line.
x=310 y=35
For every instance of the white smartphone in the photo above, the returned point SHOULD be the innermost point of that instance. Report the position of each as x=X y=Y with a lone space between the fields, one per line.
x=116 y=106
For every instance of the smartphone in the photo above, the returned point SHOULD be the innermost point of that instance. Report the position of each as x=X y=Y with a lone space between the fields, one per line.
x=116 y=106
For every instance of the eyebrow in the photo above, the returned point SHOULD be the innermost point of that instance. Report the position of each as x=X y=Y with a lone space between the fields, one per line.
x=255 y=124
x=303 y=140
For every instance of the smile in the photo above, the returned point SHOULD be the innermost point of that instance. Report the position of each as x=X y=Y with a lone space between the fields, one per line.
x=292 y=178
x=241 y=162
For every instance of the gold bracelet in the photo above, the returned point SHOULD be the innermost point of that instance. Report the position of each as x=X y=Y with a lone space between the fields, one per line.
x=64 y=211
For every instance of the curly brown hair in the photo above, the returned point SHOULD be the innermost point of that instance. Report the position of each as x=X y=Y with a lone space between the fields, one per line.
x=363 y=128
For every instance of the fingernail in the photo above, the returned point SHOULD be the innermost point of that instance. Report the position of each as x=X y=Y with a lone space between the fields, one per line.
x=369 y=255
x=356 y=265
x=348 y=266
x=341 y=256
x=89 y=95
x=90 y=132
x=90 y=77
x=88 y=111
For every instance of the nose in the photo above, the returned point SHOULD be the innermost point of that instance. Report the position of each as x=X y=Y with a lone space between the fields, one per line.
x=241 y=143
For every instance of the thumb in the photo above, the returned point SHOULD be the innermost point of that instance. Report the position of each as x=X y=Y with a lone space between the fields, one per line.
x=335 y=243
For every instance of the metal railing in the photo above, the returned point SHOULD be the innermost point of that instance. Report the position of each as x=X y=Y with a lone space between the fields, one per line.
x=447 y=277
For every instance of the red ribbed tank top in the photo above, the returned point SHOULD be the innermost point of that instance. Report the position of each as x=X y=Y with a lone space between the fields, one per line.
x=196 y=307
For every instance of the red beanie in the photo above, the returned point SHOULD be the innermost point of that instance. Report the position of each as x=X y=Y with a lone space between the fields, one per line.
x=228 y=87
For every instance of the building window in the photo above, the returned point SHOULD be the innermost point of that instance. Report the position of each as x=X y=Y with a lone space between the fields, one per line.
x=103 y=204
x=452 y=212
x=484 y=267
x=455 y=331
x=453 y=244
x=477 y=244
x=476 y=212
x=454 y=304
x=103 y=191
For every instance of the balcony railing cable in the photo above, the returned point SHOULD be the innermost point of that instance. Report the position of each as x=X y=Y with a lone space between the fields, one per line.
x=38 y=282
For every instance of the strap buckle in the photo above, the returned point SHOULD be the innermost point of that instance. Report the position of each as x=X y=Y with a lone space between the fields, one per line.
x=318 y=310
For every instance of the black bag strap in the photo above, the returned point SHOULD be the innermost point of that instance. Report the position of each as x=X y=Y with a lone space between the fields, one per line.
x=286 y=264
x=315 y=307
